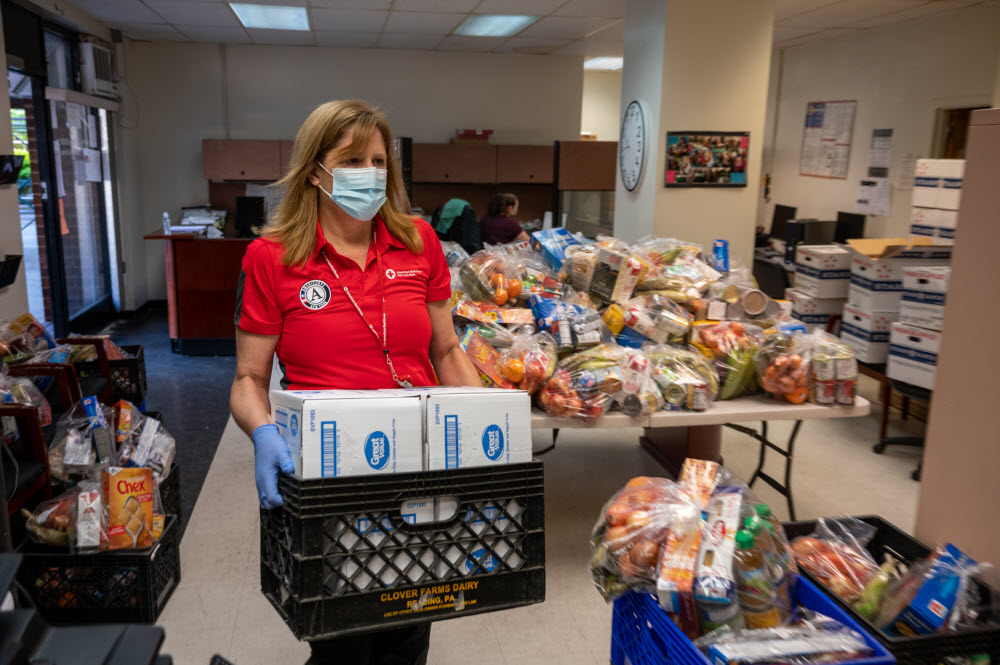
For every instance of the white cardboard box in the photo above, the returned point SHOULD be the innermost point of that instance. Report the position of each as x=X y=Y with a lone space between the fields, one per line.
x=867 y=333
x=335 y=433
x=937 y=183
x=822 y=271
x=814 y=312
x=466 y=427
x=934 y=223
x=913 y=355
x=877 y=270
x=924 y=295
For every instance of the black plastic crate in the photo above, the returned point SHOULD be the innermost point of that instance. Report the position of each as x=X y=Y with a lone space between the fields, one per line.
x=922 y=649
x=349 y=562
x=170 y=492
x=106 y=587
x=128 y=375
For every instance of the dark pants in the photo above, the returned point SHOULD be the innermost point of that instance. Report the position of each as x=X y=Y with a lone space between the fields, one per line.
x=400 y=646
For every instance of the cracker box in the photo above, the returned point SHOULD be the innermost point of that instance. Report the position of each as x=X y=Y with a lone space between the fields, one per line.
x=615 y=275
x=814 y=312
x=127 y=496
x=552 y=244
x=924 y=294
x=913 y=355
x=877 y=269
x=867 y=333
x=822 y=271
x=336 y=433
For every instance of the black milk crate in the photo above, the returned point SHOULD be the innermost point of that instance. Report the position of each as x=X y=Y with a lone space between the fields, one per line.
x=128 y=375
x=170 y=492
x=922 y=649
x=122 y=586
x=344 y=560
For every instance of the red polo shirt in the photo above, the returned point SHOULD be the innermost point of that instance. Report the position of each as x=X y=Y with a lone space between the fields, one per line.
x=323 y=343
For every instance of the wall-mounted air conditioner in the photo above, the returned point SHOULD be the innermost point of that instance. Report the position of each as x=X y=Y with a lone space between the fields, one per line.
x=97 y=70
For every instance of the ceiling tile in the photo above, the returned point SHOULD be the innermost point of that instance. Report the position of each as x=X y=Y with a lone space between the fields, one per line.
x=614 y=32
x=847 y=12
x=463 y=43
x=284 y=37
x=409 y=41
x=346 y=39
x=532 y=46
x=920 y=11
x=422 y=23
x=352 y=4
x=518 y=7
x=209 y=14
x=344 y=20
x=154 y=32
x=564 y=27
x=446 y=6
x=200 y=33
x=787 y=8
x=591 y=48
x=118 y=12
x=603 y=8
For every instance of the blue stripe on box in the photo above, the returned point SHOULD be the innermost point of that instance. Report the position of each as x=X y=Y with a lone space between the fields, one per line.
x=872 y=285
x=809 y=271
x=922 y=229
x=810 y=318
x=924 y=297
x=866 y=335
x=927 y=182
x=906 y=353
x=951 y=183
x=946 y=233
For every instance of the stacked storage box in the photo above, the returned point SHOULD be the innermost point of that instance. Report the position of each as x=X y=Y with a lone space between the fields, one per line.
x=822 y=277
x=876 y=290
x=915 y=340
x=937 y=191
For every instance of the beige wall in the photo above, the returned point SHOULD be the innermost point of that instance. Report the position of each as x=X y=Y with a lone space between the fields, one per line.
x=14 y=298
x=180 y=93
x=601 y=112
x=900 y=74
x=959 y=490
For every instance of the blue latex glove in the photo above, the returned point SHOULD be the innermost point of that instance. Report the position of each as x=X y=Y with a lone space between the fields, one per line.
x=270 y=455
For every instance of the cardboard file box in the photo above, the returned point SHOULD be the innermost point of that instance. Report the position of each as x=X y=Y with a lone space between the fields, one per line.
x=867 y=333
x=822 y=271
x=814 y=312
x=913 y=354
x=876 y=282
x=924 y=294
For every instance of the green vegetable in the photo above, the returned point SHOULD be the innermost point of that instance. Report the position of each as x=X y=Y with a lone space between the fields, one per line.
x=867 y=606
x=741 y=375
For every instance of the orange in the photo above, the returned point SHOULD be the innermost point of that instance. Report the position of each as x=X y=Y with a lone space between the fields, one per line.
x=514 y=288
x=498 y=279
x=500 y=296
x=513 y=370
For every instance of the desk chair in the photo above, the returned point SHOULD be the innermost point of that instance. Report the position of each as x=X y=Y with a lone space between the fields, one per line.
x=909 y=392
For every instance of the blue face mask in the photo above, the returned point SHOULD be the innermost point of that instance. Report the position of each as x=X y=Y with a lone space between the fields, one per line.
x=359 y=192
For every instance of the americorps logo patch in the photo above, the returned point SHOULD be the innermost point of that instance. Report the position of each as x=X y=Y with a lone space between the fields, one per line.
x=315 y=294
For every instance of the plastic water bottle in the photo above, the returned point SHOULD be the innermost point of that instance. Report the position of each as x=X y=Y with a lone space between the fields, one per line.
x=754 y=588
x=166 y=223
x=772 y=557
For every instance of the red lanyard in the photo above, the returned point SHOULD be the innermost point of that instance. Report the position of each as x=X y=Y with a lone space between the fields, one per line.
x=383 y=340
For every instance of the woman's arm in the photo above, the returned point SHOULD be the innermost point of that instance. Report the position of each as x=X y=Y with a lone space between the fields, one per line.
x=522 y=236
x=248 y=399
x=452 y=366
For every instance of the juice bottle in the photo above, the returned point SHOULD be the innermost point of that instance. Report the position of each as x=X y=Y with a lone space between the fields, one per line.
x=772 y=557
x=754 y=588
x=784 y=552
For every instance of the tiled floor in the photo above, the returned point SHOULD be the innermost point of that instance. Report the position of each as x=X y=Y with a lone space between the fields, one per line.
x=218 y=607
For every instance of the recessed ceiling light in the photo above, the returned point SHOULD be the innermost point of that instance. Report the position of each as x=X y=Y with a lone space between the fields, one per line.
x=271 y=17
x=608 y=64
x=494 y=25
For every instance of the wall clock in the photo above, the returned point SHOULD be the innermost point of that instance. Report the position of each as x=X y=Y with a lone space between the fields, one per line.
x=632 y=146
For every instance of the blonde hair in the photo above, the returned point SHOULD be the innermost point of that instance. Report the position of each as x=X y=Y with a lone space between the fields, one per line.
x=293 y=224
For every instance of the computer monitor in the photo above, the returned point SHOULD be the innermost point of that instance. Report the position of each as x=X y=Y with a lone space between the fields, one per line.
x=782 y=214
x=849 y=225
x=249 y=213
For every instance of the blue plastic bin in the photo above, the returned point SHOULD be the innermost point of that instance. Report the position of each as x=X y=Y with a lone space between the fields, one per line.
x=643 y=634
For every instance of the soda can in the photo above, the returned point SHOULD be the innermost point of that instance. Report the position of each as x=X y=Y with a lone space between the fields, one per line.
x=697 y=399
x=675 y=394
x=720 y=252
x=846 y=368
x=823 y=368
x=825 y=392
x=845 y=391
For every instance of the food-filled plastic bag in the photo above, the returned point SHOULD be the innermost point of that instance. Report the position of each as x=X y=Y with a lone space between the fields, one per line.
x=454 y=253
x=783 y=367
x=22 y=390
x=814 y=638
x=629 y=538
x=947 y=591
x=88 y=352
x=657 y=319
x=835 y=554
x=491 y=276
x=684 y=376
x=27 y=327
x=585 y=384
x=530 y=361
x=640 y=396
x=573 y=327
x=142 y=440
x=51 y=522
x=84 y=437
x=734 y=346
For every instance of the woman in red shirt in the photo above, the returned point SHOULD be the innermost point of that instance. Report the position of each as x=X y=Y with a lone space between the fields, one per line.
x=349 y=291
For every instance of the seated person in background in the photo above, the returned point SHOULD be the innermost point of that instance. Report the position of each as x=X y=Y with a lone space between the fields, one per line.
x=498 y=227
x=456 y=221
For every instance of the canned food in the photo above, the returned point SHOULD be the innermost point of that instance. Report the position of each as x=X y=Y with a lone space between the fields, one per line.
x=675 y=393
x=754 y=301
x=823 y=368
x=772 y=309
x=670 y=325
x=825 y=392
x=845 y=392
x=735 y=311
x=846 y=367
x=640 y=405
x=731 y=294
x=697 y=399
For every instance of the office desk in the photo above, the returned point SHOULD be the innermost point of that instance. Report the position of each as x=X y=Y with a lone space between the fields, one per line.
x=202 y=275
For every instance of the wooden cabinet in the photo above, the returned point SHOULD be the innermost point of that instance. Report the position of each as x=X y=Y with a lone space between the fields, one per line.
x=454 y=162
x=524 y=163
x=231 y=159
x=587 y=165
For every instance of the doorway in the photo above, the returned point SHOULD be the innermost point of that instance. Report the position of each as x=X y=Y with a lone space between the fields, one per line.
x=951 y=132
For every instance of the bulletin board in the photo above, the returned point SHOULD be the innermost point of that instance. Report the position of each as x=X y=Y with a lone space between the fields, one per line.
x=826 y=139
